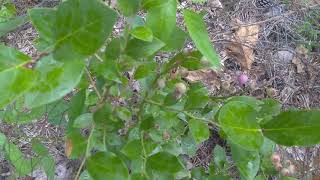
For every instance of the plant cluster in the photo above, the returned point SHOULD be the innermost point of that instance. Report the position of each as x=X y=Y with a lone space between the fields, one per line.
x=144 y=133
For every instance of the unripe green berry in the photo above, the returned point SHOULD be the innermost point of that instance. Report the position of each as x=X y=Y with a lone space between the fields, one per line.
x=161 y=83
x=275 y=158
x=285 y=172
x=180 y=88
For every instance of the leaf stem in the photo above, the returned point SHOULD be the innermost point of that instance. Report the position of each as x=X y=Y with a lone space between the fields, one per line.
x=144 y=156
x=93 y=84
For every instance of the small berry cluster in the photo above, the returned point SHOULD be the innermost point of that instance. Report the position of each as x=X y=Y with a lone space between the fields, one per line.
x=288 y=169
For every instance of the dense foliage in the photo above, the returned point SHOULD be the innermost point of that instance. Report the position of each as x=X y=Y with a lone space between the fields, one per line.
x=144 y=133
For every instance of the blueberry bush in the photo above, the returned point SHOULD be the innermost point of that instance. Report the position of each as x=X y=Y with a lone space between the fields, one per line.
x=121 y=133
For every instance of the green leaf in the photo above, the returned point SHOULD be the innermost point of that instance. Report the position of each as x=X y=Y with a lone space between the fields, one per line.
x=129 y=7
x=294 y=128
x=163 y=162
x=10 y=57
x=124 y=113
x=46 y=161
x=77 y=107
x=199 y=35
x=247 y=162
x=162 y=19
x=142 y=33
x=56 y=112
x=81 y=28
x=239 y=122
x=83 y=121
x=113 y=49
x=144 y=70
x=267 y=147
x=197 y=97
x=176 y=40
x=7 y=11
x=189 y=146
x=14 y=83
x=219 y=156
x=133 y=149
x=14 y=77
x=12 y=153
x=43 y=20
x=85 y=176
x=199 y=130
x=12 y=24
x=140 y=49
x=78 y=143
x=55 y=81
x=106 y=165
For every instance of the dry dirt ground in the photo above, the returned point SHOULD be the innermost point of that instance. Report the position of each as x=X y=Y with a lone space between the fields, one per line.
x=265 y=44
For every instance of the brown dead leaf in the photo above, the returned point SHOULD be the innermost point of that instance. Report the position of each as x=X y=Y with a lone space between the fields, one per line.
x=69 y=147
x=296 y=61
x=200 y=75
x=241 y=48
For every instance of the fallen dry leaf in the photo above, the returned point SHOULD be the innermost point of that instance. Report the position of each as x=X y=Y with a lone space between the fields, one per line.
x=296 y=61
x=69 y=147
x=241 y=48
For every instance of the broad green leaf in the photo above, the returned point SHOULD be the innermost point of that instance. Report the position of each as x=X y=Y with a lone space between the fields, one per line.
x=56 y=112
x=176 y=40
x=14 y=82
x=138 y=176
x=269 y=108
x=136 y=21
x=106 y=165
x=197 y=97
x=104 y=117
x=189 y=146
x=124 y=113
x=55 y=81
x=142 y=33
x=199 y=130
x=7 y=10
x=267 y=147
x=199 y=35
x=129 y=7
x=247 y=162
x=162 y=19
x=144 y=70
x=85 y=176
x=133 y=149
x=198 y=173
x=239 y=122
x=12 y=153
x=43 y=20
x=294 y=128
x=219 y=156
x=12 y=24
x=14 y=77
x=83 y=121
x=113 y=49
x=163 y=162
x=77 y=108
x=45 y=160
x=260 y=177
x=81 y=28
x=78 y=143
x=251 y=101
x=10 y=57
x=109 y=69
x=142 y=49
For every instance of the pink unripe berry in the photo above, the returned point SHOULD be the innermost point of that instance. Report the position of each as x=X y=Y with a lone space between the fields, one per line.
x=243 y=79
x=285 y=172
x=278 y=166
x=275 y=158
